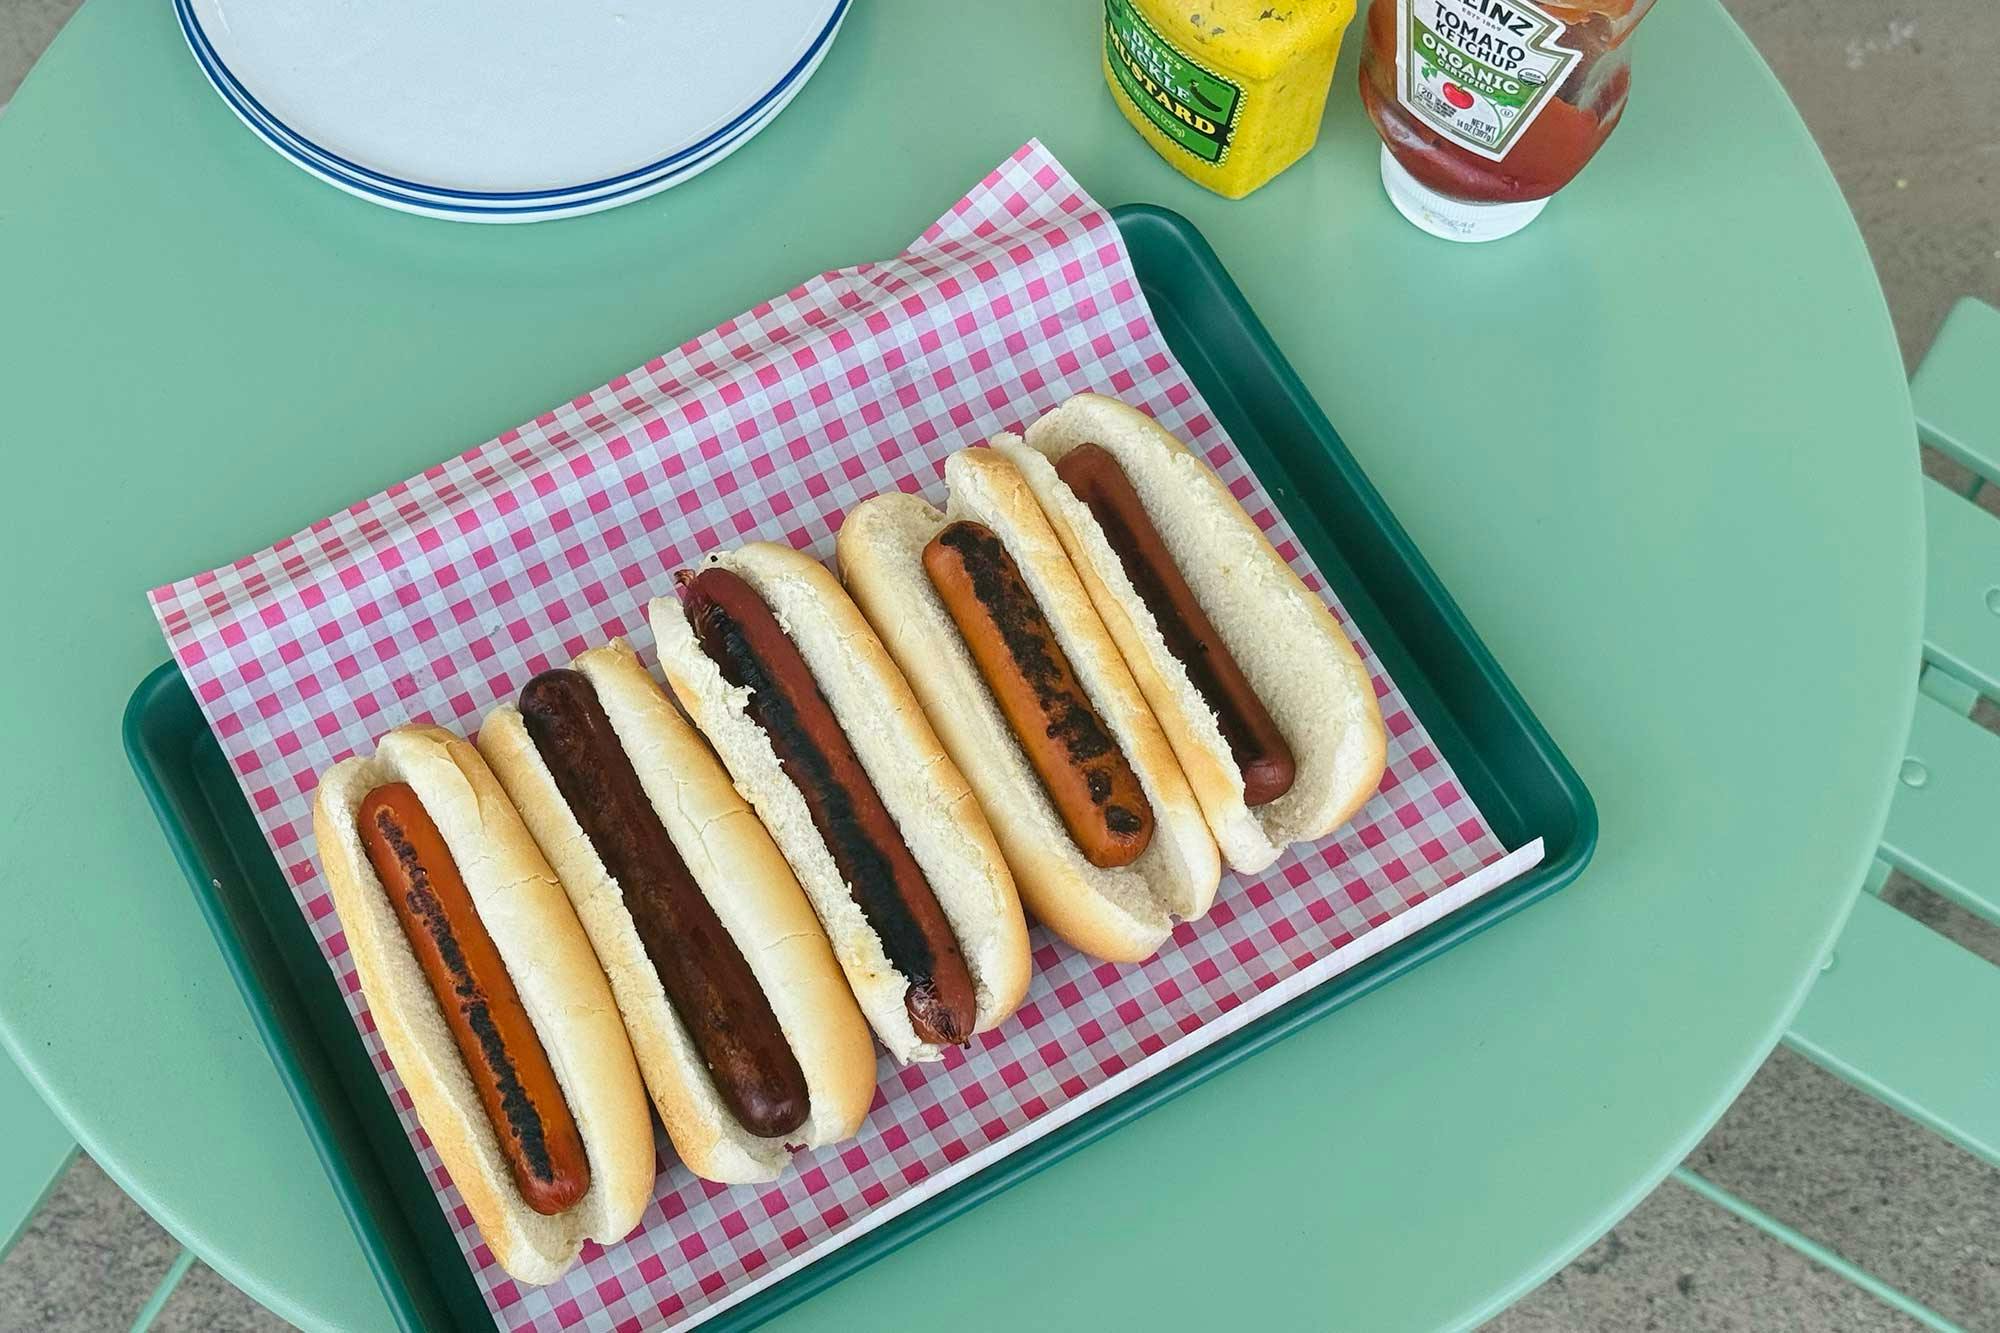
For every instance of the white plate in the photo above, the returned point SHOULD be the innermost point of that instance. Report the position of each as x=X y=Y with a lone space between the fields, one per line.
x=509 y=100
x=462 y=208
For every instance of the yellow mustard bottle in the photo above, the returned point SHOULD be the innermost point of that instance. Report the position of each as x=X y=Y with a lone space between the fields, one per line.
x=1228 y=91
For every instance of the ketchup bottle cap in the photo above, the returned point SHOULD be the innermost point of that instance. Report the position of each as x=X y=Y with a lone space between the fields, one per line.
x=1453 y=219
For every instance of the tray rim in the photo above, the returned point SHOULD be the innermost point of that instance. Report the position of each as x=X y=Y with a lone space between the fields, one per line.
x=1564 y=862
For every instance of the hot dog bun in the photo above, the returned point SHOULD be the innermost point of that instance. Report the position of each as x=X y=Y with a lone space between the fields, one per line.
x=1122 y=914
x=550 y=961
x=752 y=890
x=1286 y=640
x=923 y=790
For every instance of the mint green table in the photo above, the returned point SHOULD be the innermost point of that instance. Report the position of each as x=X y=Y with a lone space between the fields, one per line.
x=1687 y=522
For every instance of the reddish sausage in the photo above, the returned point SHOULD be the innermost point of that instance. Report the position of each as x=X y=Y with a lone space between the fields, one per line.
x=737 y=630
x=1255 y=742
x=510 y=1069
x=1078 y=760
x=711 y=987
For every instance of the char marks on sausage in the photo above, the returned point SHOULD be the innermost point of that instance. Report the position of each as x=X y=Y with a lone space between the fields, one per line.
x=738 y=632
x=1086 y=776
x=709 y=984
x=502 y=1053
x=1255 y=743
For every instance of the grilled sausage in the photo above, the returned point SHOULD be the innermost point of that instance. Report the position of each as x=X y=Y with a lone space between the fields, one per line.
x=511 y=1071
x=1086 y=775
x=1254 y=741
x=738 y=632
x=710 y=986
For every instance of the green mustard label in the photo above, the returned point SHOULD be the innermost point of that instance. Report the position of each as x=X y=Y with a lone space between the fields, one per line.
x=1480 y=71
x=1193 y=106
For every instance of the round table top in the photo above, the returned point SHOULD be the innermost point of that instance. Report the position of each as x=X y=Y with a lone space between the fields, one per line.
x=1685 y=517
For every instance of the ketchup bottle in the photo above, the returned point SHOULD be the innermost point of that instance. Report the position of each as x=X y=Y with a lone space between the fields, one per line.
x=1488 y=107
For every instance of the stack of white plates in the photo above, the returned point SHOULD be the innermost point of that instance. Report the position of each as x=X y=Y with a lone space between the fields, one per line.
x=507 y=110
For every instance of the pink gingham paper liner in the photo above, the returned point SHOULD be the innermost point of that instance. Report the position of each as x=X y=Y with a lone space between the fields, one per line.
x=441 y=596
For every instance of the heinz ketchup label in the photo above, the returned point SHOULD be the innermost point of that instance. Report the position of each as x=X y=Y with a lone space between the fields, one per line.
x=1479 y=71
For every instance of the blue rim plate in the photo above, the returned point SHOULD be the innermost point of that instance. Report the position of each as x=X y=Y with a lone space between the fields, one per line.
x=446 y=204
x=802 y=68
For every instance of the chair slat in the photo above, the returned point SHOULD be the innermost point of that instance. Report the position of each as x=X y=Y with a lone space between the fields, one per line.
x=1948 y=690
x=1942 y=828
x=1962 y=616
x=34 y=1149
x=1956 y=391
x=1907 y=1015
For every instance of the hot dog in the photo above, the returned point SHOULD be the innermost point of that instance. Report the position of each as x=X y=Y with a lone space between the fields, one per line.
x=488 y=999
x=487 y=1021
x=740 y=634
x=1255 y=743
x=778 y=668
x=711 y=987
x=981 y=609
x=1085 y=774
x=742 y=1023
x=1268 y=707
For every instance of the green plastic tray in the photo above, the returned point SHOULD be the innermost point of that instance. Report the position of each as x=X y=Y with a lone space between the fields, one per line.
x=1501 y=753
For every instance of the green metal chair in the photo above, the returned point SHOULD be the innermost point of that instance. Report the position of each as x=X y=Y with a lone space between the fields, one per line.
x=1899 y=1010
x=36 y=1151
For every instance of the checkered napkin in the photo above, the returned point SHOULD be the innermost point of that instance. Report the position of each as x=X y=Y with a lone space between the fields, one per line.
x=440 y=597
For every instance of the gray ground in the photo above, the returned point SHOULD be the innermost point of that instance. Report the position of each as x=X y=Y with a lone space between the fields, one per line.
x=1902 y=102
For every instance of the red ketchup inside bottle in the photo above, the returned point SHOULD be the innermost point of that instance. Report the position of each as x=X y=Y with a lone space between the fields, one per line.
x=1488 y=107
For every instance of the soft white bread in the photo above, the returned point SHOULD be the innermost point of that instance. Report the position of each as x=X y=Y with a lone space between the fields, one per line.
x=922 y=789
x=1290 y=647
x=740 y=872
x=550 y=961
x=1122 y=914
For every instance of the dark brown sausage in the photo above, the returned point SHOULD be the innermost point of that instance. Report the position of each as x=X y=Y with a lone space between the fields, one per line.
x=502 y=1053
x=744 y=639
x=705 y=976
x=1255 y=742
x=1077 y=758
